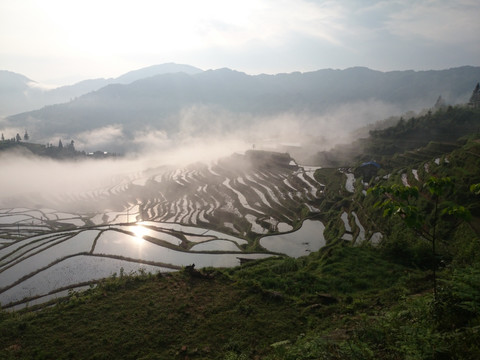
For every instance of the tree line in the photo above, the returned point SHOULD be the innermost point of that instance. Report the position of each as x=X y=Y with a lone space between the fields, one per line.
x=16 y=138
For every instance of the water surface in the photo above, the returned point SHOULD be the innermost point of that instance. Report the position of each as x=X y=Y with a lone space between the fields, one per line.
x=298 y=243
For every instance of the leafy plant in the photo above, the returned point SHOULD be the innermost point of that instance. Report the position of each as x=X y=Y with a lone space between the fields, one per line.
x=475 y=188
x=404 y=201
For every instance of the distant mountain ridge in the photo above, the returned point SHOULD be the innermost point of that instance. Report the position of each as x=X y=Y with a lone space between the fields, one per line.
x=157 y=102
x=167 y=68
x=19 y=94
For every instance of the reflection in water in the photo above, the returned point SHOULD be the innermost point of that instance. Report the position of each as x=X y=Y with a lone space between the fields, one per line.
x=50 y=262
x=139 y=232
x=298 y=243
x=116 y=243
x=134 y=247
x=81 y=242
x=216 y=245
x=71 y=271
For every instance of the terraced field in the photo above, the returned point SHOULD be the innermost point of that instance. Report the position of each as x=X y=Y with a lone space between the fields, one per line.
x=157 y=220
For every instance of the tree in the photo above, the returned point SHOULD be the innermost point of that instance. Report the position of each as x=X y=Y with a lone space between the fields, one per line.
x=3 y=137
x=25 y=136
x=71 y=146
x=60 y=145
x=403 y=201
x=18 y=138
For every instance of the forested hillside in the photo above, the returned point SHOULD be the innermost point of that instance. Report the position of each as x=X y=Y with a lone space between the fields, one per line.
x=444 y=126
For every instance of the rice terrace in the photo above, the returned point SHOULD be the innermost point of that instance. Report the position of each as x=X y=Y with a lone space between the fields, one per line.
x=207 y=215
x=261 y=180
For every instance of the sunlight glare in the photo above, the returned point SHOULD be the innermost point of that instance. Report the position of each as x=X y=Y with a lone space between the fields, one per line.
x=139 y=232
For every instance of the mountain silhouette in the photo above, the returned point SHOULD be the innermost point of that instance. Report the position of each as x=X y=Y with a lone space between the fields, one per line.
x=19 y=94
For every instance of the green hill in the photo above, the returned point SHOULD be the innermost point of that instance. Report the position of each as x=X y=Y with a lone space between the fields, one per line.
x=442 y=127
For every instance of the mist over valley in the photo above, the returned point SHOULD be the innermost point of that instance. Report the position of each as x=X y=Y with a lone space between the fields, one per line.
x=204 y=167
x=173 y=102
x=268 y=180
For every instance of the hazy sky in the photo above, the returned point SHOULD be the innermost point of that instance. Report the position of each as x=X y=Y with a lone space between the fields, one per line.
x=58 y=41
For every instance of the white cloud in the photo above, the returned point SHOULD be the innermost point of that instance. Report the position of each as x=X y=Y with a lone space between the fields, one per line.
x=107 y=38
x=100 y=138
x=451 y=22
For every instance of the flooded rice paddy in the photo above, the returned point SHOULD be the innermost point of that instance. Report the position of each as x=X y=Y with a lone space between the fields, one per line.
x=161 y=220
x=299 y=243
x=208 y=215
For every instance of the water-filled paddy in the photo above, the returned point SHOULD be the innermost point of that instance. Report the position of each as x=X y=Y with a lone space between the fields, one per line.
x=72 y=271
x=39 y=265
x=216 y=245
x=37 y=246
x=349 y=183
x=141 y=232
x=299 y=243
x=115 y=243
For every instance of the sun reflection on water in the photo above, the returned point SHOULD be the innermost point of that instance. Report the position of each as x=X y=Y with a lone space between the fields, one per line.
x=139 y=232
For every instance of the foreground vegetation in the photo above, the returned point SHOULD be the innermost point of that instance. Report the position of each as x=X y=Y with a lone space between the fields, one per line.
x=340 y=303
x=346 y=301
x=228 y=313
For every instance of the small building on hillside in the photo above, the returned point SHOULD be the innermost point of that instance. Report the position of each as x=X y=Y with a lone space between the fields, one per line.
x=367 y=170
x=475 y=98
x=267 y=159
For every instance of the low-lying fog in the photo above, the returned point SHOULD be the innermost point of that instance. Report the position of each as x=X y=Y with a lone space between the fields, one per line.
x=210 y=121
x=203 y=137
x=29 y=179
